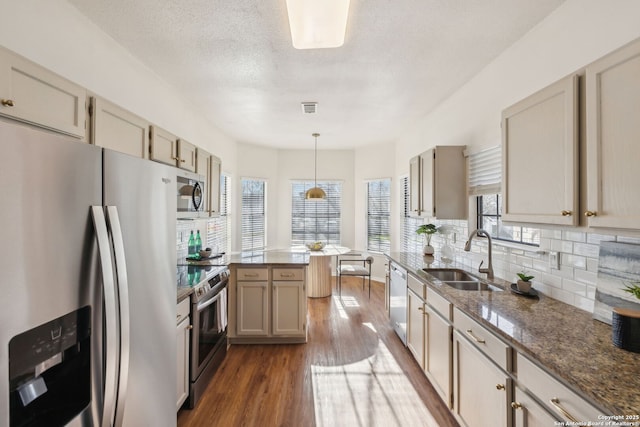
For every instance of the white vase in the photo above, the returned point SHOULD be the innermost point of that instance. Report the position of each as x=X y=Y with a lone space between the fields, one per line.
x=524 y=286
x=427 y=250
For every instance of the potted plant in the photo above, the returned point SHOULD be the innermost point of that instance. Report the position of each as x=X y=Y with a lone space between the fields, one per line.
x=625 y=322
x=524 y=282
x=428 y=230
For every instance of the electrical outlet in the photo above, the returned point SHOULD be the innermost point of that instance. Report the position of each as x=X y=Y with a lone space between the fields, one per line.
x=554 y=260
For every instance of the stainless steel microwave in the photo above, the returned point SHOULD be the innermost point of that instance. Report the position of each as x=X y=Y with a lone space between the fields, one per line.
x=191 y=195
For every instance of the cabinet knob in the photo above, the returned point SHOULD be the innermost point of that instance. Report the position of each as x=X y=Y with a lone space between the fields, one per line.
x=6 y=102
x=590 y=213
x=420 y=309
x=182 y=161
x=190 y=327
x=500 y=387
x=567 y=213
x=516 y=405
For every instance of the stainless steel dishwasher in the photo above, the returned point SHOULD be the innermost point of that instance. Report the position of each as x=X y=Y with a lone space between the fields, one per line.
x=398 y=300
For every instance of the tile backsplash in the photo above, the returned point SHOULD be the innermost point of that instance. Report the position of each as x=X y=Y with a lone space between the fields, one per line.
x=210 y=233
x=573 y=283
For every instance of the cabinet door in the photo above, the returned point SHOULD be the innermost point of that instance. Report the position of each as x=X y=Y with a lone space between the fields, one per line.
x=414 y=186
x=427 y=171
x=253 y=308
x=35 y=95
x=415 y=327
x=438 y=359
x=289 y=308
x=480 y=388
x=163 y=146
x=119 y=130
x=214 y=186
x=182 y=360
x=540 y=156
x=613 y=132
x=528 y=413
x=186 y=155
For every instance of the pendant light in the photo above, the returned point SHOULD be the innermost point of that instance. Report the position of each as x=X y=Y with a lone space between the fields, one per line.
x=315 y=193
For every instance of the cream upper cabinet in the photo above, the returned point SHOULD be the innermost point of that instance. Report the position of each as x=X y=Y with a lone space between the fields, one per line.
x=210 y=166
x=186 y=156
x=439 y=177
x=163 y=146
x=117 y=129
x=613 y=139
x=35 y=95
x=540 y=156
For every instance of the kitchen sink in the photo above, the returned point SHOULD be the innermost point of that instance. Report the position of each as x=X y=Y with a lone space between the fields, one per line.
x=459 y=279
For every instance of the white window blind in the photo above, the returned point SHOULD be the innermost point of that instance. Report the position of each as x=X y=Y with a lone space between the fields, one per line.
x=378 y=215
x=219 y=228
x=315 y=220
x=485 y=171
x=409 y=241
x=253 y=214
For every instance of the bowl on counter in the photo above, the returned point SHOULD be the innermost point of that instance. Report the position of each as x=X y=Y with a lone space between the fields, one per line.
x=315 y=246
x=205 y=253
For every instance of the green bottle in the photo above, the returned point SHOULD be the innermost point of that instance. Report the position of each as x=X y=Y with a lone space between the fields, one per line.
x=198 y=242
x=192 y=245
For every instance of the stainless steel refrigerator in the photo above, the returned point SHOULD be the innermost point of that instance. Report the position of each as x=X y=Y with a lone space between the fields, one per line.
x=88 y=267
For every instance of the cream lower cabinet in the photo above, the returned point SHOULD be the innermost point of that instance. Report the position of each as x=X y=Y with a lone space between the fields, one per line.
x=438 y=359
x=183 y=334
x=270 y=305
x=33 y=94
x=415 y=326
x=117 y=129
x=528 y=413
x=481 y=389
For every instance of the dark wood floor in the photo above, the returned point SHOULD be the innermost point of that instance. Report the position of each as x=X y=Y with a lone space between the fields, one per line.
x=354 y=371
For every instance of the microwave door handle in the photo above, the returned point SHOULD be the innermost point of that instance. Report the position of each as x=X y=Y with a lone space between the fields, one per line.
x=113 y=221
x=110 y=316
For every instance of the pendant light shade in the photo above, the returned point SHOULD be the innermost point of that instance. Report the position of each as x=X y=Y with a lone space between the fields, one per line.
x=315 y=193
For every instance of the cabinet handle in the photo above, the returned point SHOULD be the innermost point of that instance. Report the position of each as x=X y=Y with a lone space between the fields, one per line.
x=190 y=327
x=475 y=338
x=567 y=213
x=251 y=275
x=516 y=405
x=590 y=213
x=7 y=102
x=500 y=387
x=556 y=403
x=286 y=275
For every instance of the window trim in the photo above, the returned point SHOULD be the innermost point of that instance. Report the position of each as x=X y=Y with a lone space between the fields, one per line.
x=498 y=216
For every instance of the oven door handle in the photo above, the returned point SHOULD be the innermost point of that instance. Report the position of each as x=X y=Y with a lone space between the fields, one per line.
x=208 y=302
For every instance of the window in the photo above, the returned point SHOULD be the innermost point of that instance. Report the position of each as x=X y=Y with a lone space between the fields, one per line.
x=253 y=214
x=378 y=215
x=219 y=228
x=490 y=219
x=409 y=241
x=315 y=220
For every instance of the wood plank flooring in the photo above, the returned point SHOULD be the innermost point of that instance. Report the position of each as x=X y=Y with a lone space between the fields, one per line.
x=354 y=371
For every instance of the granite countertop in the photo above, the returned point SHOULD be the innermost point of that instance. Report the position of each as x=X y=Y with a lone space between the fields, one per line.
x=184 y=292
x=270 y=257
x=567 y=341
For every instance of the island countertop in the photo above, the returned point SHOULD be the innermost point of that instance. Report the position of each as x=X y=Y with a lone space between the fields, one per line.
x=271 y=257
x=567 y=341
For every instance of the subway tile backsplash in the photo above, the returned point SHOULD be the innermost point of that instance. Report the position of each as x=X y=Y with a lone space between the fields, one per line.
x=574 y=283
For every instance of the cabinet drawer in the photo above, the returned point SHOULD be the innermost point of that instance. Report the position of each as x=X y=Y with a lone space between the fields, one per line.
x=253 y=274
x=288 y=274
x=480 y=337
x=556 y=396
x=182 y=310
x=440 y=304
x=417 y=286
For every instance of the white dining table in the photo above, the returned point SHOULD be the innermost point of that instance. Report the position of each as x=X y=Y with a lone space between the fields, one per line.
x=319 y=269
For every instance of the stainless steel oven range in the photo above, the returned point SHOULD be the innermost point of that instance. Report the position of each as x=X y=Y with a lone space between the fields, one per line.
x=209 y=319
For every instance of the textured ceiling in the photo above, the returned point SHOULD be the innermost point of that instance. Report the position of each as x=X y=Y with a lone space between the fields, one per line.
x=234 y=59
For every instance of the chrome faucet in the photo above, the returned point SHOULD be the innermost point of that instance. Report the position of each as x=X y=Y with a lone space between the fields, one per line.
x=467 y=247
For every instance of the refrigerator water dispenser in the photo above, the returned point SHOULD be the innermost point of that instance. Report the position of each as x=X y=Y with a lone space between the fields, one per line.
x=50 y=371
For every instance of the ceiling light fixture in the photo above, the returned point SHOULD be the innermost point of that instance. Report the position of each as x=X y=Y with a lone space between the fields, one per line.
x=315 y=193
x=317 y=24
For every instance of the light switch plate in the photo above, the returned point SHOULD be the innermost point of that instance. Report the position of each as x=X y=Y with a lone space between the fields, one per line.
x=554 y=260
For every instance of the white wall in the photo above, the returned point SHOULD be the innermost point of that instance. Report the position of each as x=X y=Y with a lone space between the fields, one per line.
x=576 y=34
x=55 y=35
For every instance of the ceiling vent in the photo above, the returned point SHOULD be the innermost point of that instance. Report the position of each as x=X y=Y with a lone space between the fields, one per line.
x=309 y=107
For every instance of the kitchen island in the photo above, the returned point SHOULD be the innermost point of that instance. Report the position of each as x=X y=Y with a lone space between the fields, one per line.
x=319 y=271
x=268 y=297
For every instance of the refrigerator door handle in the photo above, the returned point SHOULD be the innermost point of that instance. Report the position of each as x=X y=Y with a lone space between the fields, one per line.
x=111 y=333
x=113 y=221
